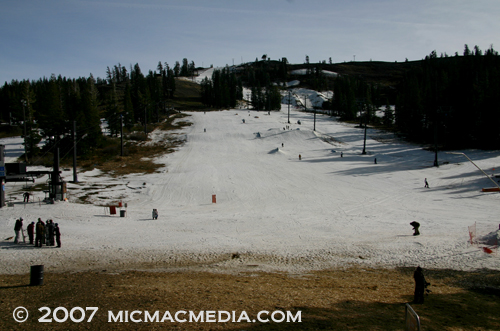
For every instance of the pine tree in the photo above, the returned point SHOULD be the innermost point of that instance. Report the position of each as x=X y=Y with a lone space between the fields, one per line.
x=31 y=136
x=388 y=119
x=128 y=108
x=177 y=69
x=51 y=119
x=113 y=111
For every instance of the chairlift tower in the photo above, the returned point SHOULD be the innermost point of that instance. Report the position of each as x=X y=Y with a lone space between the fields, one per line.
x=57 y=187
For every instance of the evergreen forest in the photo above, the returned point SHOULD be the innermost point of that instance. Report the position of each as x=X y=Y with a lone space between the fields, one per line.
x=446 y=101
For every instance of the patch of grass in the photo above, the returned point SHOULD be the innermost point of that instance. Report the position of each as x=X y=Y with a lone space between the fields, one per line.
x=187 y=96
x=345 y=299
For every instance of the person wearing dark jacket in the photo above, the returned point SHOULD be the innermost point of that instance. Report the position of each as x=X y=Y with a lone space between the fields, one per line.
x=50 y=232
x=57 y=233
x=420 y=285
x=17 y=229
x=39 y=233
x=31 y=232
x=416 y=226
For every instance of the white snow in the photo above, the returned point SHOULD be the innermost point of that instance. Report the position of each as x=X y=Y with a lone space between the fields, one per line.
x=276 y=211
x=301 y=97
x=303 y=72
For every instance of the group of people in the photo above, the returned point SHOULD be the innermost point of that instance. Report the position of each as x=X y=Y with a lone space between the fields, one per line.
x=42 y=233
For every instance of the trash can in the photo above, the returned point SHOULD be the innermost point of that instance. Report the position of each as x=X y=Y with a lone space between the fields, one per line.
x=122 y=213
x=36 y=276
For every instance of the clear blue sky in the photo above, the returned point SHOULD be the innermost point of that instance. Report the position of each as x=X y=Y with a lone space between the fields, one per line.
x=74 y=38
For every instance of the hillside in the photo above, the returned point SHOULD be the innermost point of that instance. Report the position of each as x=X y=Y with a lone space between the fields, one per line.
x=276 y=211
x=187 y=95
x=382 y=73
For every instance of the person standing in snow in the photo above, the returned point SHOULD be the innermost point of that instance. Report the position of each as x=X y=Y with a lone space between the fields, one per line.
x=31 y=232
x=50 y=231
x=426 y=183
x=57 y=233
x=46 y=232
x=155 y=214
x=39 y=233
x=17 y=229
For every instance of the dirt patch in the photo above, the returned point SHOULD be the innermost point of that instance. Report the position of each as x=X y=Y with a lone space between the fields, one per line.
x=349 y=299
x=139 y=151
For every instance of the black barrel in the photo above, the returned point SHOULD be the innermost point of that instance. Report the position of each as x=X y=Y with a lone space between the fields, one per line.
x=36 y=276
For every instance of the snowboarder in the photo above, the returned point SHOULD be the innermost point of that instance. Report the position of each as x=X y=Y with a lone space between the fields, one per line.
x=31 y=232
x=300 y=157
x=415 y=225
x=426 y=183
x=17 y=229
x=155 y=214
x=420 y=285
x=57 y=233
x=341 y=154
x=39 y=233
x=26 y=196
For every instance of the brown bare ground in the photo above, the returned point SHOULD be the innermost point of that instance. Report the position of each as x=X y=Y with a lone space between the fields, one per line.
x=350 y=299
x=138 y=155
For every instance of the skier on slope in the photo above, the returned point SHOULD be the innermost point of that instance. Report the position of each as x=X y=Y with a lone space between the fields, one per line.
x=415 y=225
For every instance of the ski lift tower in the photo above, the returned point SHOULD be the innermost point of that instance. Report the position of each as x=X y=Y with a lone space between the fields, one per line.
x=2 y=176
x=289 y=86
x=57 y=187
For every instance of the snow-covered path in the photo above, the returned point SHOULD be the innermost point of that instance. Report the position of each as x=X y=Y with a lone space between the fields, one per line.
x=274 y=210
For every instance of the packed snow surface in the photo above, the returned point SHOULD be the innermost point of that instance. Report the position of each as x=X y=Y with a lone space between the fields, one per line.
x=305 y=72
x=334 y=207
